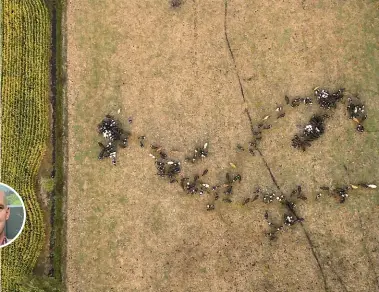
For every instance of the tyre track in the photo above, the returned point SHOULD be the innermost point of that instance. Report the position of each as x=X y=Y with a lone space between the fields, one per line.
x=313 y=249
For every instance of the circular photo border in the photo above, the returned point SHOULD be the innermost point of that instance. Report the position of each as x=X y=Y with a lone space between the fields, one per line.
x=24 y=210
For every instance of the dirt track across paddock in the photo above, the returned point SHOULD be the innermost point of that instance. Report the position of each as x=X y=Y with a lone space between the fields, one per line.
x=173 y=72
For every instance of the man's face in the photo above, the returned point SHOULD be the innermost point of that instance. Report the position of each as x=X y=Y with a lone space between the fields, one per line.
x=4 y=212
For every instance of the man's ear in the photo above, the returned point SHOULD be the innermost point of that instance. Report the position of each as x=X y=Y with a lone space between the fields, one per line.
x=8 y=213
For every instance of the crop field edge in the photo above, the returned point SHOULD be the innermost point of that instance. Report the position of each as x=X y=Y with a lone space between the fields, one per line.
x=1 y=106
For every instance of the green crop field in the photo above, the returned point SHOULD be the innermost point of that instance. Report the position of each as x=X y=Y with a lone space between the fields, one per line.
x=24 y=124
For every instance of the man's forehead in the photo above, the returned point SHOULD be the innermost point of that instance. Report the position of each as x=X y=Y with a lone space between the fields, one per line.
x=2 y=197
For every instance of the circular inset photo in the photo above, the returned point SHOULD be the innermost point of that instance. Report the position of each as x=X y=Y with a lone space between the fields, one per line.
x=12 y=215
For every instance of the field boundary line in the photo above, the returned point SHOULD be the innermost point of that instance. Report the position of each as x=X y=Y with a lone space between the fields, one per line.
x=1 y=95
x=1 y=104
x=64 y=116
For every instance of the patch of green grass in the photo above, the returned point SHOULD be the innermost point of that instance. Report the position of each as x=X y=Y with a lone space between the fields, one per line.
x=112 y=224
x=375 y=198
x=371 y=125
x=320 y=4
x=165 y=275
x=158 y=221
x=48 y=184
x=123 y=200
x=33 y=283
x=97 y=209
x=286 y=36
x=80 y=156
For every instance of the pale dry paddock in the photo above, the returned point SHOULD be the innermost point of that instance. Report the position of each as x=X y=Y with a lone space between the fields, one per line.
x=171 y=69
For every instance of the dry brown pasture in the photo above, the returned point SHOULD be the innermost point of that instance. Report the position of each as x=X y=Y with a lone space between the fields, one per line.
x=172 y=71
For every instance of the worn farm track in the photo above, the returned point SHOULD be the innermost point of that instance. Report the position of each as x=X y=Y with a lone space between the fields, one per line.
x=25 y=92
